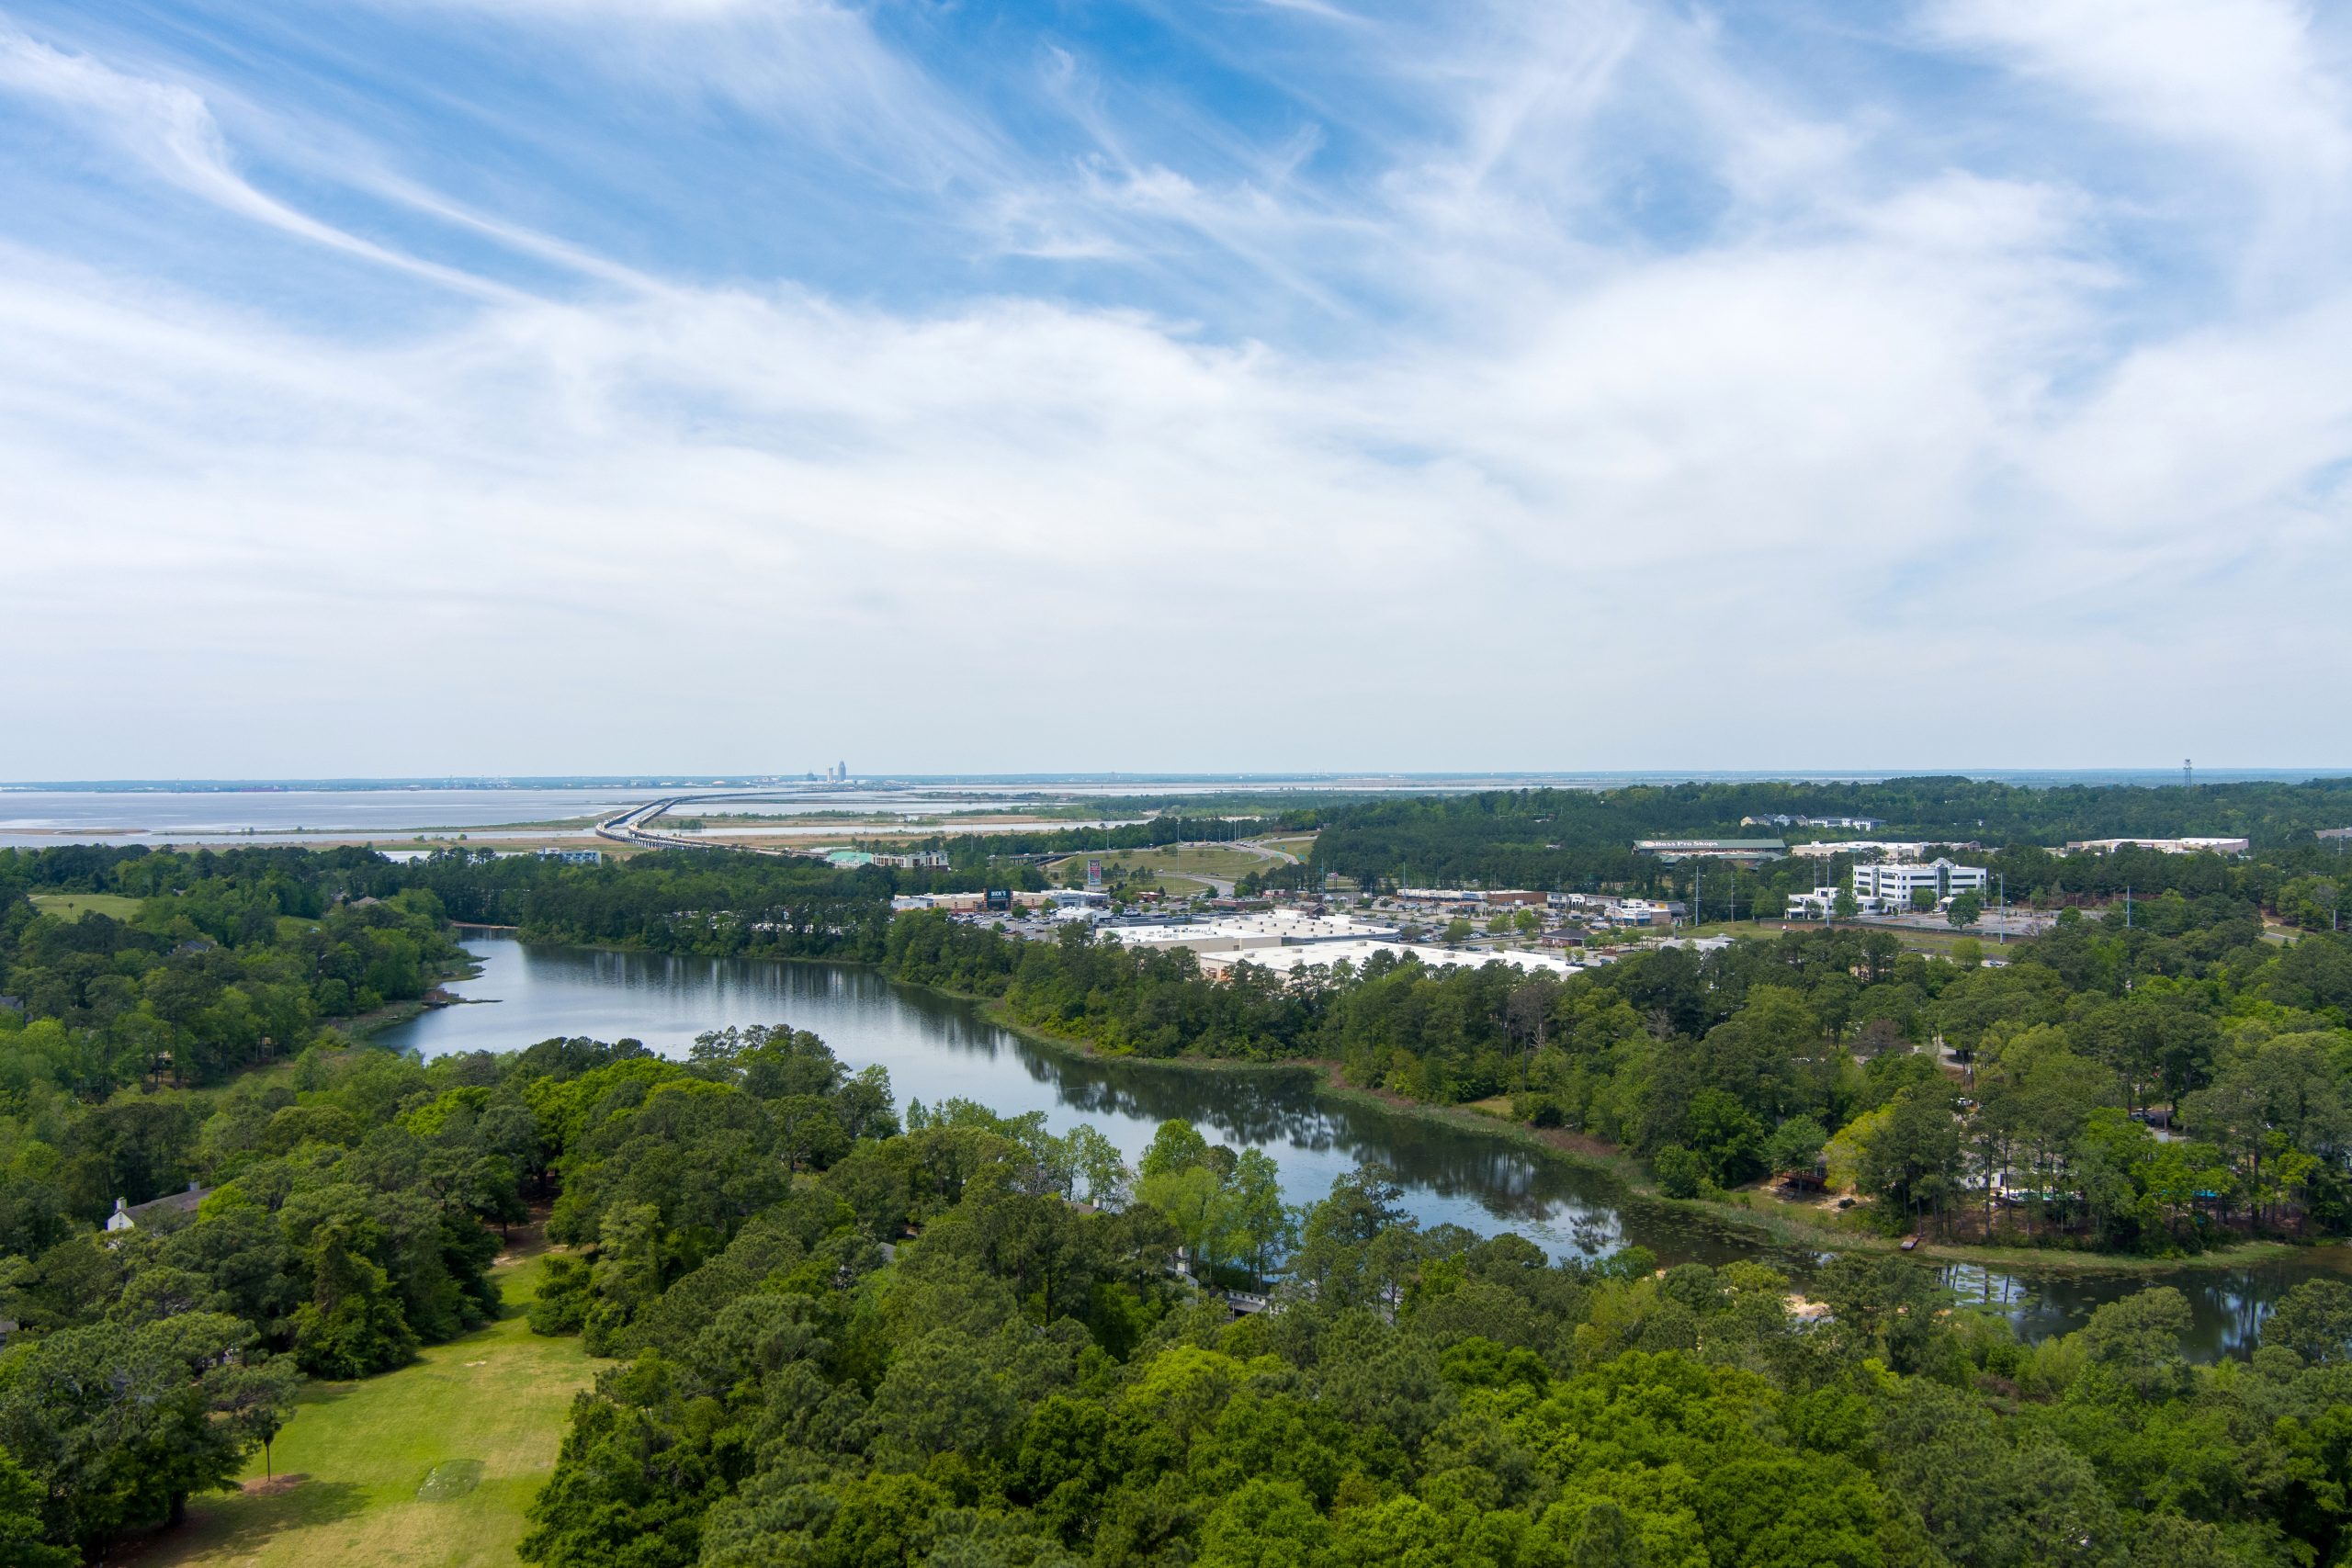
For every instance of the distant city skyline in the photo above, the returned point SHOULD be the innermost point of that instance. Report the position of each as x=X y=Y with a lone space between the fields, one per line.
x=544 y=386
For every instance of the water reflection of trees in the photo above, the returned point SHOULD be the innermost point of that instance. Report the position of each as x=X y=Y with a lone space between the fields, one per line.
x=2227 y=1306
x=1274 y=1107
x=1569 y=1211
x=1566 y=1209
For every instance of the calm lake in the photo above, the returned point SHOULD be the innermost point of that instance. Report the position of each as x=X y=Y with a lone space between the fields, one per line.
x=936 y=1047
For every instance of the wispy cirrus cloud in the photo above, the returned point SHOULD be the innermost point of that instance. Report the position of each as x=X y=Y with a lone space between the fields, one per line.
x=169 y=130
x=927 y=377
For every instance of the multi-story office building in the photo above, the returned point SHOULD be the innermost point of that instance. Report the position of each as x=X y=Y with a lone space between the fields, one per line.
x=1893 y=885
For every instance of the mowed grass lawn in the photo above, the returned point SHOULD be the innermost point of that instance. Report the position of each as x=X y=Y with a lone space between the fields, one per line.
x=428 y=1467
x=73 y=905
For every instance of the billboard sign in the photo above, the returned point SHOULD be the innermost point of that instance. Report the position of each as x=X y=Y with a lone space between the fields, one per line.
x=1094 y=876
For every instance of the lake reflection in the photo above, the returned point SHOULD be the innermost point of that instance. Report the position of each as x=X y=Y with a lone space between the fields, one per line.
x=935 y=1048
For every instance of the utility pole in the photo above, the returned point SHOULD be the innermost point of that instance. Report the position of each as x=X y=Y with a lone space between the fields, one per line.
x=2127 y=906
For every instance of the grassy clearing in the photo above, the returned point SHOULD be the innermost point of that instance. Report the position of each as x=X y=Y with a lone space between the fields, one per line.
x=1194 y=862
x=1744 y=928
x=428 y=1467
x=73 y=905
x=1938 y=941
x=1299 y=844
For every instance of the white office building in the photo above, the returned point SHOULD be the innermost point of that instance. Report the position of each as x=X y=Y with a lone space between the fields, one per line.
x=1893 y=886
x=1820 y=904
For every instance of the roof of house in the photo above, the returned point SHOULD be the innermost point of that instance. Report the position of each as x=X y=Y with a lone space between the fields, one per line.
x=171 y=1202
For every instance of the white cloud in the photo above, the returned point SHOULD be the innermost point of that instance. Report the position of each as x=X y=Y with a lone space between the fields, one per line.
x=2211 y=440
x=641 y=484
x=1556 y=496
x=170 y=129
x=2243 y=76
x=812 y=66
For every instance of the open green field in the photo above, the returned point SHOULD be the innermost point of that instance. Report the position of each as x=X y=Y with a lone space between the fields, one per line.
x=73 y=905
x=428 y=1467
x=1171 y=887
x=1943 y=940
x=1194 y=862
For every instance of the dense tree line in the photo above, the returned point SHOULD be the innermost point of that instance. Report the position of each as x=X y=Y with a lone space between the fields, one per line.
x=1022 y=1380
x=1037 y=1376
x=1582 y=840
x=353 y=1204
x=1171 y=823
x=1817 y=1048
x=1150 y=1003
x=348 y=1219
x=230 y=961
x=348 y=1196
x=662 y=1163
x=674 y=900
x=1770 y=1054
x=1813 y=1051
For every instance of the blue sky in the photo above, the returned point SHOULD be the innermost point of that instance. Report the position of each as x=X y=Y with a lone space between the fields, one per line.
x=414 y=386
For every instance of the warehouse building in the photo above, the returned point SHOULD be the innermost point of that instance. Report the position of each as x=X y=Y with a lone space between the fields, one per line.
x=1250 y=933
x=2161 y=846
x=1875 y=849
x=1298 y=961
x=1748 y=852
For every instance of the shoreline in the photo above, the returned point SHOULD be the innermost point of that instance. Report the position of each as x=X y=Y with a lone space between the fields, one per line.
x=1767 y=1229
x=2017 y=1260
x=367 y=1025
x=1628 y=1172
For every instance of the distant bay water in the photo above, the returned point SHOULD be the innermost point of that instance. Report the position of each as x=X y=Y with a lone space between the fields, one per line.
x=37 y=817
x=160 y=812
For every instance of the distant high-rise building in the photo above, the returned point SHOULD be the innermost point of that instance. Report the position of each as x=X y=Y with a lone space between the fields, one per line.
x=840 y=772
